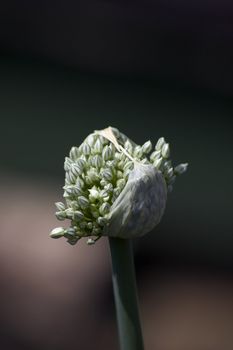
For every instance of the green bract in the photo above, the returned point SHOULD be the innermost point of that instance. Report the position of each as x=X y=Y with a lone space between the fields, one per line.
x=114 y=187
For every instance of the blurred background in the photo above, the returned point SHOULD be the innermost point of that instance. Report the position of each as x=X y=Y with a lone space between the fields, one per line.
x=153 y=69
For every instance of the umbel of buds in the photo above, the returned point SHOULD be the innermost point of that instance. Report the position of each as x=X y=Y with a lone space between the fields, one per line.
x=114 y=187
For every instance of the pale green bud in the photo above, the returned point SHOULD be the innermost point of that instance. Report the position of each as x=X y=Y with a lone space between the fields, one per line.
x=60 y=206
x=160 y=143
x=137 y=151
x=81 y=163
x=169 y=173
x=128 y=165
x=108 y=188
x=97 y=161
x=104 y=208
x=98 y=148
x=57 y=232
x=117 y=156
x=107 y=174
x=128 y=146
x=92 y=175
x=103 y=140
x=106 y=199
x=157 y=163
x=85 y=149
x=144 y=161
x=74 y=205
x=116 y=191
x=103 y=193
x=107 y=153
x=103 y=182
x=77 y=190
x=67 y=164
x=165 y=150
x=181 y=168
x=79 y=183
x=76 y=170
x=70 y=177
x=83 y=202
x=69 y=213
x=121 y=183
x=119 y=174
x=155 y=155
x=147 y=147
x=126 y=173
x=121 y=164
x=91 y=140
x=102 y=221
x=167 y=165
x=60 y=215
x=70 y=232
x=78 y=215
x=68 y=189
x=74 y=153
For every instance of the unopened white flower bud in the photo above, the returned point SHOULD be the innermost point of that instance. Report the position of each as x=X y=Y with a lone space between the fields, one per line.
x=70 y=177
x=85 y=148
x=60 y=206
x=74 y=153
x=104 y=208
x=92 y=175
x=165 y=150
x=107 y=153
x=102 y=221
x=147 y=147
x=107 y=174
x=69 y=213
x=155 y=155
x=83 y=202
x=91 y=139
x=97 y=161
x=128 y=146
x=119 y=174
x=76 y=170
x=98 y=147
x=57 y=232
x=137 y=152
x=78 y=215
x=160 y=143
x=121 y=183
x=157 y=163
x=67 y=164
x=60 y=215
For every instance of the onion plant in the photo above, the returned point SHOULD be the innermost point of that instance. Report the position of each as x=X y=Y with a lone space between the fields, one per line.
x=118 y=189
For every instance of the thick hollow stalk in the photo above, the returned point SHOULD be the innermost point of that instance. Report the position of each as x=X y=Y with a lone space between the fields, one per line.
x=125 y=294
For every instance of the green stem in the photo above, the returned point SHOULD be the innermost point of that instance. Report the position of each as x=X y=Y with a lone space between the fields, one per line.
x=125 y=294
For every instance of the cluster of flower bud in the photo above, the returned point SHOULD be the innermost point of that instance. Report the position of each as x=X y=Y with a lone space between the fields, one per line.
x=96 y=172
